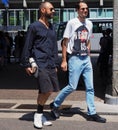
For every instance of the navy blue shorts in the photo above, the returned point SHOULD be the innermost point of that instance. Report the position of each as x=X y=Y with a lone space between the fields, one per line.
x=47 y=80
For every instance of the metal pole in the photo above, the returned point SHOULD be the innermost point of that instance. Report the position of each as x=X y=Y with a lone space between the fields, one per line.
x=24 y=4
x=62 y=3
x=115 y=50
x=61 y=11
x=111 y=96
x=101 y=2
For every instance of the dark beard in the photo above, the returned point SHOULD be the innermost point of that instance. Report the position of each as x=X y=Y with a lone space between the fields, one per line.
x=48 y=16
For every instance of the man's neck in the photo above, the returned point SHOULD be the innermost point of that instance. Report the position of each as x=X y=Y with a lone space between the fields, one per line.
x=81 y=19
x=44 y=21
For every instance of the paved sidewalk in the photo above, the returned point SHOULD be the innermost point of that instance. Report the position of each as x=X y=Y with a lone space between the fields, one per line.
x=71 y=110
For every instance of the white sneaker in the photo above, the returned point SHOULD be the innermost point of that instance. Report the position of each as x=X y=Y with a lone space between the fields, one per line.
x=45 y=121
x=38 y=120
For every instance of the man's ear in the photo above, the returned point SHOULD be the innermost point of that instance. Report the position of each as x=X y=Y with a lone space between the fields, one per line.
x=43 y=10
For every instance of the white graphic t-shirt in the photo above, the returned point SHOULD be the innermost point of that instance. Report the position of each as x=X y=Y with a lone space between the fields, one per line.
x=78 y=34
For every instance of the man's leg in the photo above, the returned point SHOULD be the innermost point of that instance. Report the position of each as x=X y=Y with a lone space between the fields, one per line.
x=39 y=118
x=88 y=78
x=74 y=74
x=42 y=98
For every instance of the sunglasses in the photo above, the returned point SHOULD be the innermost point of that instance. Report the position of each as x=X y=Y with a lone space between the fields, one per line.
x=84 y=9
x=52 y=9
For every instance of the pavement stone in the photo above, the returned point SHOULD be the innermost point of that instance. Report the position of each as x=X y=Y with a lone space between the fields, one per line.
x=76 y=112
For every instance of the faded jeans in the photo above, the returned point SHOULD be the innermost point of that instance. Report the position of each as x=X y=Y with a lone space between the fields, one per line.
x=78 y=65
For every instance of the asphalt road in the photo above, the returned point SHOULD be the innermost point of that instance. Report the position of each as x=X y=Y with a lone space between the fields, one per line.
x=17 y=124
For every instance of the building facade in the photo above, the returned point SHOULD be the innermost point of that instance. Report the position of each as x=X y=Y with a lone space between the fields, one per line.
x=18 y=16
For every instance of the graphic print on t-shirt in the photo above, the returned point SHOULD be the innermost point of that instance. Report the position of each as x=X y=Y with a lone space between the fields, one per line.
x=80 y=40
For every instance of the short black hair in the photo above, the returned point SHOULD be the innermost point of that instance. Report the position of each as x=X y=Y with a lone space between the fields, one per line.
x=77 y=6
x=42 y=4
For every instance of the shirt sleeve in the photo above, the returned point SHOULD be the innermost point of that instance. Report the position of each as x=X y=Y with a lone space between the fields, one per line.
x=27 y=47
x=68 y=30
x=56 y=53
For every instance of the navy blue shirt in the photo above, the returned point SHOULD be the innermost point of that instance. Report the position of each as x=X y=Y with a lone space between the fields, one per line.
x=40 y=43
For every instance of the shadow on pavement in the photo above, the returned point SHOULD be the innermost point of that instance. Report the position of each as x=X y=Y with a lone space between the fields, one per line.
x=69 y=112
x=66 y=112
x=30 y=116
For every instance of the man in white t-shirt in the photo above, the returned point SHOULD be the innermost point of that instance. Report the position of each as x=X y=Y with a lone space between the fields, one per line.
x=76 y=44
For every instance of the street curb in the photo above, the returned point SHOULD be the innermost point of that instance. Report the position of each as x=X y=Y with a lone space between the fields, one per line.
x=111 y=100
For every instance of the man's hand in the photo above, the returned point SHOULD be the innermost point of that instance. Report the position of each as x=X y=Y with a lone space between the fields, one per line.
x=64 y=65
x=88 y=49
x=30 y=70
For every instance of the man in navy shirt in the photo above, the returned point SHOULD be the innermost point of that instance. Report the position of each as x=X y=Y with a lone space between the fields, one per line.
x=41 y=44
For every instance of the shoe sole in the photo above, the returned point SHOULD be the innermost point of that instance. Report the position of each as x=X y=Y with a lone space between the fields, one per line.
x=37 y=127
x=96 y=121
x=48 y=124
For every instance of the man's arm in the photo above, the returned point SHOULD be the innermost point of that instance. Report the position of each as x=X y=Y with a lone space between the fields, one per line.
x=89 y=46
x=26 y=51
x=64 y=54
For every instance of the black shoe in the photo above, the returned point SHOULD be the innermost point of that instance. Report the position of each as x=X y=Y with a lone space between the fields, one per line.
x=96 y=118
x=55 y=111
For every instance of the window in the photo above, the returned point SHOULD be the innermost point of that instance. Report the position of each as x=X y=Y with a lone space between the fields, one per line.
x=56 y=16
x=101 y=13
x=93 y=13
x=1 y=18
x=65 y=15
x=25 y=19
x=18 y=17
x=11 y=18
x=33 y=16
x=109 y=13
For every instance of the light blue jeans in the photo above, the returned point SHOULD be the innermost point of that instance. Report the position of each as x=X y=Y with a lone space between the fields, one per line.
x=78 y=65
